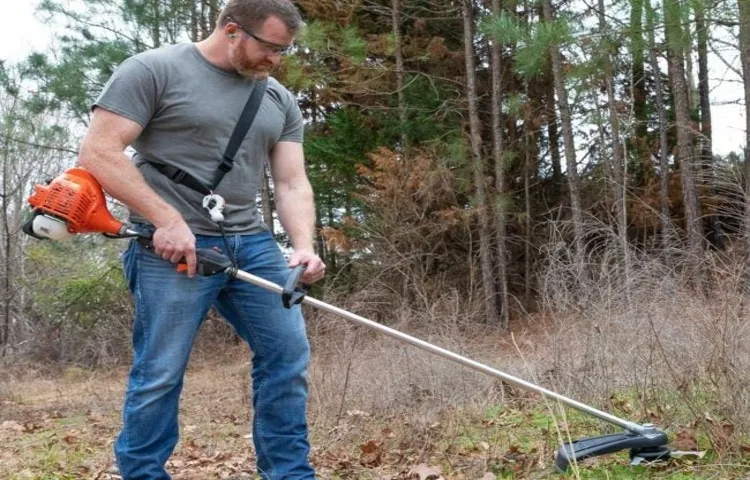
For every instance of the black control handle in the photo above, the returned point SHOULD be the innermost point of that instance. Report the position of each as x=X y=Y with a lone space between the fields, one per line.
x=209 y=262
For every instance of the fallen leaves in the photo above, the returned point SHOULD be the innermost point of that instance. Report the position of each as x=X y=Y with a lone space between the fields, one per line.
x=71 y=438
x=425 y=472
x=511 y=440
x=20 y=427
x=193 y=462
x=372 y=453
x=685 y=440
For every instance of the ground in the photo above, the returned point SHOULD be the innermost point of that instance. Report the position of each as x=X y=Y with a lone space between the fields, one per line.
x=61 y=426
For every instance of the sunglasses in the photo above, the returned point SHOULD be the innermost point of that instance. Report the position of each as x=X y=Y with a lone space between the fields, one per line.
x=273 y=48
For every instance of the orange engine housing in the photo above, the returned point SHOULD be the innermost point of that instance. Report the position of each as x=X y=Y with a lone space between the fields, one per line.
x=76 y=198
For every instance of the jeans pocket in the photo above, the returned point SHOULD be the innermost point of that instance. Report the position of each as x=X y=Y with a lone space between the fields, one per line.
x=129 y=258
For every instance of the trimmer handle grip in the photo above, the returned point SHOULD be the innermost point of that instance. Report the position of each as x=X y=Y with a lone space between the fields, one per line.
x=294 y=291
x=209 y=262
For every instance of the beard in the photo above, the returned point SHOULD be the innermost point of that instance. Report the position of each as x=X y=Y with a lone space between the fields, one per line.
x=246 y=67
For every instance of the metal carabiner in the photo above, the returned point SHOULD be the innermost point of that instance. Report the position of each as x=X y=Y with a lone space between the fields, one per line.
x=215 y=205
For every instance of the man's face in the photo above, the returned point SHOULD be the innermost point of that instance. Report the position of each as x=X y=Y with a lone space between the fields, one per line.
x=254 y=52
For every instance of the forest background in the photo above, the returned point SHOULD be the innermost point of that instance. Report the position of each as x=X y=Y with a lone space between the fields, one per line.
x=531 y=183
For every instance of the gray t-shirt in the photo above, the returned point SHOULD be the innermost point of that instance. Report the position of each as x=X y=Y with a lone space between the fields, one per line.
x=188 y=109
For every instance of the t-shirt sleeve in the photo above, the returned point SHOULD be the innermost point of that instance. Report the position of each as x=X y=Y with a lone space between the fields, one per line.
x=294 y=125
x=131 y=92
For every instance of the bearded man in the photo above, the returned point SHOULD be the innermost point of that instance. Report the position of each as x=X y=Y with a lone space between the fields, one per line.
x=177 y=107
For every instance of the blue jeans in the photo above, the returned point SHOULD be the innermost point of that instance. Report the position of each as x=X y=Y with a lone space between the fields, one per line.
x=169 y=309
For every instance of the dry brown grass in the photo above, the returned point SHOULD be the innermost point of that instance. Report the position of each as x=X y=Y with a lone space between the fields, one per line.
x=407 y=404
x=67 y=423
x=654 y=351
x=673 y=351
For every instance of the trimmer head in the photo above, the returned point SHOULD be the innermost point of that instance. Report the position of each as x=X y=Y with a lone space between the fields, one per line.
x=648 y=445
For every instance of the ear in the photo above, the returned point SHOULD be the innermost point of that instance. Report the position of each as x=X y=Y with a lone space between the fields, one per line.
x=230 y=30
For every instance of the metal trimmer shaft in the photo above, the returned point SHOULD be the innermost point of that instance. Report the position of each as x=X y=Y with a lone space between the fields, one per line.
x=609 y=418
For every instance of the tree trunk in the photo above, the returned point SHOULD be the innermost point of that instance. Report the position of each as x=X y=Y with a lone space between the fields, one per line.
x=685 y=23
x=213 y=14
x=553 y=134
x=745 y=58
x=666 y=223
x=156 y=25
x=499 y=152
x=194 y=21
x=402 y=114
x=553 y=139
x=618 y=162
x=717 y=231
x=7 y=255
x=528 y=274
x=488 y=285
x=638 y=85
x=570 y=151
x=267 y=201
x=204 y=20
x=680 y=93
x=530 y=142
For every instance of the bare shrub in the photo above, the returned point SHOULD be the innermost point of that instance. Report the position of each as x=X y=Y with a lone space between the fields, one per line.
x=356 y=369
x=78 y=306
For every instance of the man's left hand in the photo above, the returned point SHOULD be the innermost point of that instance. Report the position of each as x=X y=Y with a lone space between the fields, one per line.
x=315 y=270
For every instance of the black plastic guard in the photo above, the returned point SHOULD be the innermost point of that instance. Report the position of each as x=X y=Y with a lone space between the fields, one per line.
x=28 y=227
x=602 y=445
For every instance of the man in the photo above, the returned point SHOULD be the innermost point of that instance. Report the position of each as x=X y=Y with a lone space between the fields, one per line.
x=177 y=106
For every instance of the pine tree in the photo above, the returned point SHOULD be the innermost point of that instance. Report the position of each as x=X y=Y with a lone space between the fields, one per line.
x=744 y=21
x=475 y=135
x=574 y=184
x=675 y=38
x=666 y=223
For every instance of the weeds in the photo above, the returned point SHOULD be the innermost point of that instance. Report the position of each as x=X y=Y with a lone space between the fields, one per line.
x=640 y=342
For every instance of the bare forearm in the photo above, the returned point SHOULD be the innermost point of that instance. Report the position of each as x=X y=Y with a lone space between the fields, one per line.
x=296 y=208
x=122 y=180
x=102 y=155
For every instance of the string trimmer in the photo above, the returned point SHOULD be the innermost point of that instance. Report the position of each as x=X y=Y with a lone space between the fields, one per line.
x=74 y=203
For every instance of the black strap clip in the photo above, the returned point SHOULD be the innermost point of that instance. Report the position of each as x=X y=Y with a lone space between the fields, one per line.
x=178 y=175
x=226 y=164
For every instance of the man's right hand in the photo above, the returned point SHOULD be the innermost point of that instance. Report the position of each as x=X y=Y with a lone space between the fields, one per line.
x=174 y=241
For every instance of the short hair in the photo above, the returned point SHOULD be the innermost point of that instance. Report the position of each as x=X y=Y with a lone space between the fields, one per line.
x=254 y=12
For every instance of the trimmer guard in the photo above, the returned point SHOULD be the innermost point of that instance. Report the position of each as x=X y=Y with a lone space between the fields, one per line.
x=649 y=445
